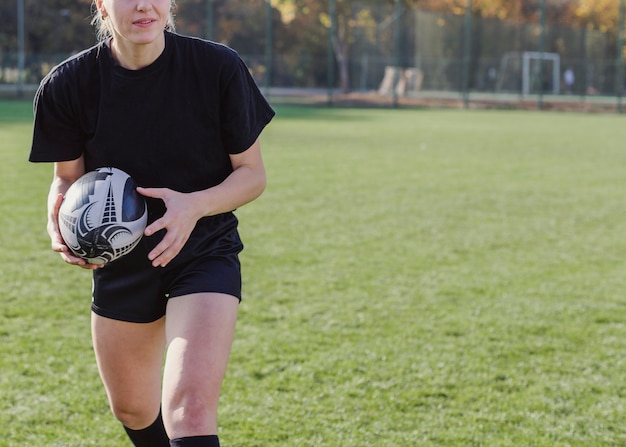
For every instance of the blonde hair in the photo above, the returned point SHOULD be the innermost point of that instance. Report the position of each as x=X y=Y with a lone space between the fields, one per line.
x=103 y=26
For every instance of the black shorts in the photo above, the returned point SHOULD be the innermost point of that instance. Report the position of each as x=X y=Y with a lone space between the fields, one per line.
x=130 y=289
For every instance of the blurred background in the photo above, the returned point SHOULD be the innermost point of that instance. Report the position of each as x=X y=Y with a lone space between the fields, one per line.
x=390 y=51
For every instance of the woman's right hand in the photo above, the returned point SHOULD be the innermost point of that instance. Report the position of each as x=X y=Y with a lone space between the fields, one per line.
x=58 y=244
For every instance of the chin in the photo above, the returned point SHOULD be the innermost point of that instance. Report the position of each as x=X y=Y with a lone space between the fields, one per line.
x=146 y=38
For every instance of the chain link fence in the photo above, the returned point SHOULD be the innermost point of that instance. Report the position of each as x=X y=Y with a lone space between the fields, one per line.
x=390 y=53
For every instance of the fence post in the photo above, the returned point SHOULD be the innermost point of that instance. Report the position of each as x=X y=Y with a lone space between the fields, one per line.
x=20 y=48
x=332 y=11
x=619 y=81
x=397 y=32
x=467 y=53
x=268 y=46
x=542 y=49
x=208 y=32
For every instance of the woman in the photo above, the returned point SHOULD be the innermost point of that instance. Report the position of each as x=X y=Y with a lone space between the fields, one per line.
x=182 y=116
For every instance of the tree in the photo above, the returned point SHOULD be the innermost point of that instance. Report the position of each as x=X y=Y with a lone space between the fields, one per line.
x=311 y=21
x=52 y=26
x=348 y=18
x=301 y=27
x=596 y=14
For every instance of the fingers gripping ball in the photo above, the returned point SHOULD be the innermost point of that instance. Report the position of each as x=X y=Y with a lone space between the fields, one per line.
x=102 y=216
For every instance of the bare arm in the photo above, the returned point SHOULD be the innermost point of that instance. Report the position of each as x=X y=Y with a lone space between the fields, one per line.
x=243 y=185
x=65 y=173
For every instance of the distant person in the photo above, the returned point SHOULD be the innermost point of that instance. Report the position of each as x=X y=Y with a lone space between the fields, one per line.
x=569 y=79
x=182 y=116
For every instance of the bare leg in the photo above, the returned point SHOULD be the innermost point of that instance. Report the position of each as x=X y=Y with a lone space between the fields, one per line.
x=130 y=359
x=199 y=332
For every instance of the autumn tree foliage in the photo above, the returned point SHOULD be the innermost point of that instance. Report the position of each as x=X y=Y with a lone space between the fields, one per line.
x=596 y=14
x=301 y=27
x=68 y=20
x=307 y=15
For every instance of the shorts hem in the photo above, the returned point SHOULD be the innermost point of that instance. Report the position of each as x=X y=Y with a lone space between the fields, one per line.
x=236 y=295
x=119 y=317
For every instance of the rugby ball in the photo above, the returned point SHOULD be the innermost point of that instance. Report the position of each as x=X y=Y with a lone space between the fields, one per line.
x=102 y=217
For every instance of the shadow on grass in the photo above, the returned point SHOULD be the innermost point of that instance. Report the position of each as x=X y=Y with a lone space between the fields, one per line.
x=14 y=111
x=325 y=113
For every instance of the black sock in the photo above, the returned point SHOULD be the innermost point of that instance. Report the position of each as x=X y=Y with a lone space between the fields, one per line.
x=196 y=441
x=152 y=436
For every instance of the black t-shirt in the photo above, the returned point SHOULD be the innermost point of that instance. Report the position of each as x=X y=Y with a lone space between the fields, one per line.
x=171 y=124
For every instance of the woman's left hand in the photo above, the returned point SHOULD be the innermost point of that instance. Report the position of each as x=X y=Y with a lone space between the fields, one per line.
x=179 y=220
x=243 y=185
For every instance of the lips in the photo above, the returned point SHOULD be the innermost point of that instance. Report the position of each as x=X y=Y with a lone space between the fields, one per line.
x=144 y=22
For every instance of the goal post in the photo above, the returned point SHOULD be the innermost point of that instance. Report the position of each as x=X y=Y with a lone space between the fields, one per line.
x=520 y=71
x=529 y=74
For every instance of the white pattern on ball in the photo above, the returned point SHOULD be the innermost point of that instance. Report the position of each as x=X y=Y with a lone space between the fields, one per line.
x=102 y=217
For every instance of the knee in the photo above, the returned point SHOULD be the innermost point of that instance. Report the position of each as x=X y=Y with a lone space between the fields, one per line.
x=191 y=413
x=135 y=417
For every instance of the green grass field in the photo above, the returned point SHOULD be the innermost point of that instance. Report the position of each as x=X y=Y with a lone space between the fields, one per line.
x=412 y=278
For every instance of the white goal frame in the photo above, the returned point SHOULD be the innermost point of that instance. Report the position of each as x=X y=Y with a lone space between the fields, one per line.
x=527 y=56
x=523 y=63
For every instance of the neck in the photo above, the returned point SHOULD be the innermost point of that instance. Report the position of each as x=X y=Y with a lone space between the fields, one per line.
x=136 y=56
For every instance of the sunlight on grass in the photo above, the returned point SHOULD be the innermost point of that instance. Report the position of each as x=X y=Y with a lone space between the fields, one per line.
x=431 y=278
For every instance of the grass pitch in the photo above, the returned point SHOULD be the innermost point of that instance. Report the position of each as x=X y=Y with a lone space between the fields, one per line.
x=412 y=278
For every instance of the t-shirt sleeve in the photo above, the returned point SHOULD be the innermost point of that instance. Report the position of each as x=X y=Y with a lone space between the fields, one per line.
x=57 y=135
x=244 y=110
